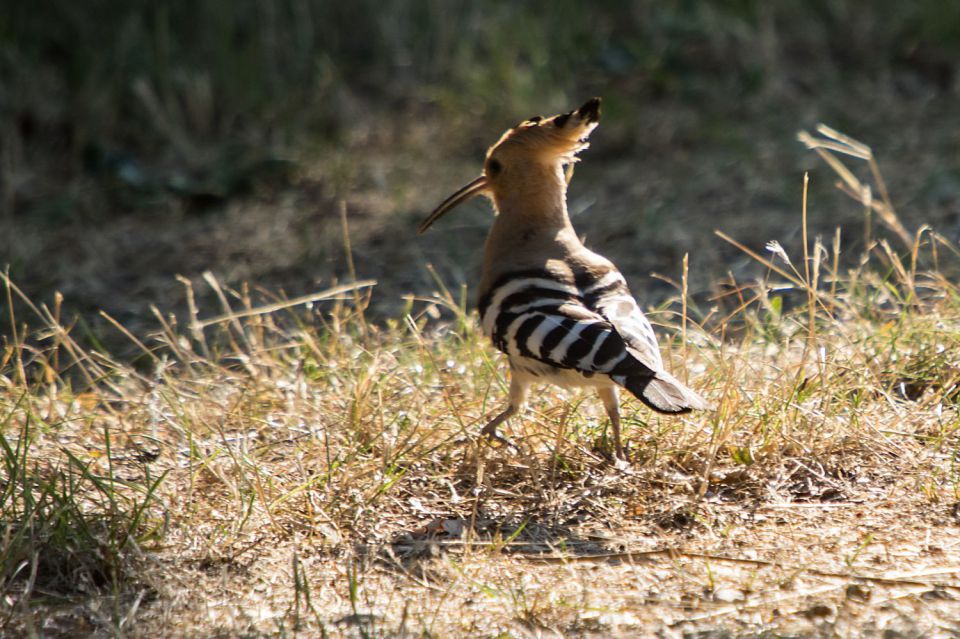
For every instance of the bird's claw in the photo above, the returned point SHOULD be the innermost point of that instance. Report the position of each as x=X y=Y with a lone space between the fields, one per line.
x=493 y=436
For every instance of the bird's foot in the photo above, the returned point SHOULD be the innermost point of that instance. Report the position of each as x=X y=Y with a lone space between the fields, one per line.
x=493 y=436
x=489 y=437
x=613 y=452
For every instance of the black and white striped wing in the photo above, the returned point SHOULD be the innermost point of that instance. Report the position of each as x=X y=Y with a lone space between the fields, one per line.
x=545 y=319
x=610 y=297
x=590 y=324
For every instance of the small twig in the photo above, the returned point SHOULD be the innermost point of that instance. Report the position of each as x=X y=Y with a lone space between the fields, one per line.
x=676 y=552
x=351 y=267
x=746 y=605
x=840 y=143
x=279 y=306
x=793 y=279
x=683 y=297
x=133 y=338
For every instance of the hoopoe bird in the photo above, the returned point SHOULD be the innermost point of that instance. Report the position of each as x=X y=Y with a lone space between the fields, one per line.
x=560 y=312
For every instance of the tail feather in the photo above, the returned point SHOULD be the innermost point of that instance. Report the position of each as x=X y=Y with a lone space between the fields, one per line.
x=664 y=393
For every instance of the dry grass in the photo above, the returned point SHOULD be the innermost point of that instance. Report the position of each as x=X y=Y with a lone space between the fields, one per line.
x=288 y=467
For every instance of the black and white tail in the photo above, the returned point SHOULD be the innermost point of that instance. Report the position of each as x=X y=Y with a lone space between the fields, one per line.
x=664 y=393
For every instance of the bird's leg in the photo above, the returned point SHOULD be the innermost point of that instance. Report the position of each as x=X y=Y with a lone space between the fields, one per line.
x=490 y=430
x=612 y=403
x=518 y=400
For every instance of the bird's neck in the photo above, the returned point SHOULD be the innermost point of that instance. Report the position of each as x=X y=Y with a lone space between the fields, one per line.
x=536 y=204
x=532 y=228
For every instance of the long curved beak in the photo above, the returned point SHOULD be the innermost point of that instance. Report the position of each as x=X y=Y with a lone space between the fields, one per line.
x=471 y=190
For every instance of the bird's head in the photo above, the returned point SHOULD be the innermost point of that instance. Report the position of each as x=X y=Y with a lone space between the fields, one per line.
x=535 y=150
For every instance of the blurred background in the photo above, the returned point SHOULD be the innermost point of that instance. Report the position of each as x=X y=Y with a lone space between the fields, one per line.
x=140 y=140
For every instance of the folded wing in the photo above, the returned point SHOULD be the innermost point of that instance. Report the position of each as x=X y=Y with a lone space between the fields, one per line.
x=594 y=327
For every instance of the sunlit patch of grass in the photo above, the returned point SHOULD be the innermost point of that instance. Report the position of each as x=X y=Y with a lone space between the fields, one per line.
x=307 y=469
x=77 y=513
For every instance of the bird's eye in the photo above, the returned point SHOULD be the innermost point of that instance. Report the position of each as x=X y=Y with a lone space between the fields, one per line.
x=494 y=167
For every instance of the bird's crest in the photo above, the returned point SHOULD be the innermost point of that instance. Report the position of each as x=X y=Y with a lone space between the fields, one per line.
x=561 y=136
